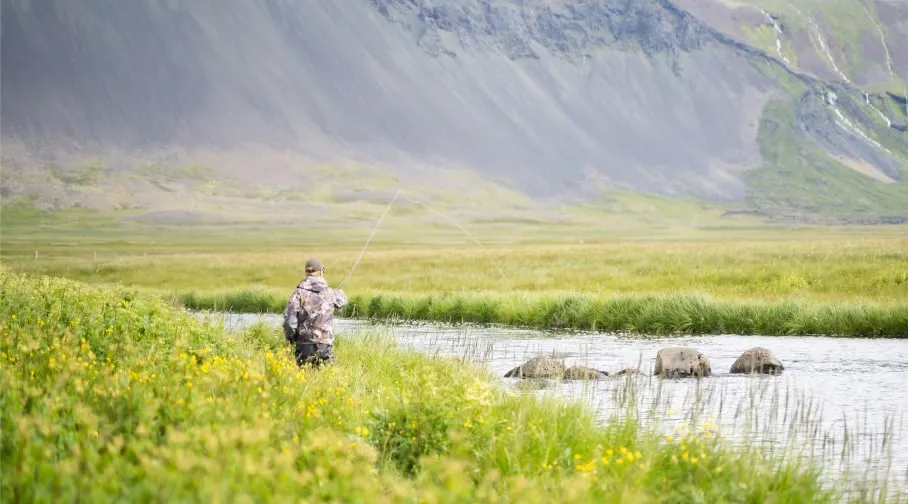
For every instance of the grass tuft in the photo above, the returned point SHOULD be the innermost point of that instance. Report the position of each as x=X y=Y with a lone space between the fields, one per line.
x=242 y=301
x=640 y=315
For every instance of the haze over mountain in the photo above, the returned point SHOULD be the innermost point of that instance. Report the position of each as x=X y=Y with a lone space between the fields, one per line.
x=781 y=107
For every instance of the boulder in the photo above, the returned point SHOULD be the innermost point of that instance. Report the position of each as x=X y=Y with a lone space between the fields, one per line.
x=757 y=360
x=583 y=373
x=628 y=371
x=681 y=362
x=538 y=367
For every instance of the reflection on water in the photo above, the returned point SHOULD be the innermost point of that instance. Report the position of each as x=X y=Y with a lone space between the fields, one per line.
x=839 y=399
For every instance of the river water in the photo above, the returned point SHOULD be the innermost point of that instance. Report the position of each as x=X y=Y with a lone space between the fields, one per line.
x=841 y=401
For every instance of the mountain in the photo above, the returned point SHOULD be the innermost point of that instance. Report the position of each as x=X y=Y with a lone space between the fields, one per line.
x=782 y=108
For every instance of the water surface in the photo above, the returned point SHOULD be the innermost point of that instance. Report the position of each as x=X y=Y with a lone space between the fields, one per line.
x=839 y=400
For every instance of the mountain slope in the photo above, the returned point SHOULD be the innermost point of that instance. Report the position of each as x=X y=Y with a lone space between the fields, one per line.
x=550 y=98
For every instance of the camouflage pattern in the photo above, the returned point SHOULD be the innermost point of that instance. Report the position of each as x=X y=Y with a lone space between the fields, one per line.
x=309 y=314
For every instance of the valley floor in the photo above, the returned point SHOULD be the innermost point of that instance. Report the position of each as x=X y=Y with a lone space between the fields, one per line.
x=752 y=280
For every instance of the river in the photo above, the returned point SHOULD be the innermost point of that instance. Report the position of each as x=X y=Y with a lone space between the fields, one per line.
x=839 y=400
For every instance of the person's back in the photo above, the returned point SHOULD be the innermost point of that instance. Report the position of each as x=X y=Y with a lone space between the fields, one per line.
x=309 y=316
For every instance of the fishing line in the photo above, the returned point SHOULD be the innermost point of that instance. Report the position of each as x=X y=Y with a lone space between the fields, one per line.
x=458 y=227
x=427 y=207
x=363 y=251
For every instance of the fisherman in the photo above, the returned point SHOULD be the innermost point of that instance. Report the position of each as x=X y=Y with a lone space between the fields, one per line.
x=309 y=316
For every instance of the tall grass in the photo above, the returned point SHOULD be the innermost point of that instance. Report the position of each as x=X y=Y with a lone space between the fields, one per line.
x=860 y=452
x=858 y=455
x=108 y=395
x=241 y=301
x=814 y=285
x=725 y=267
x=646 y=315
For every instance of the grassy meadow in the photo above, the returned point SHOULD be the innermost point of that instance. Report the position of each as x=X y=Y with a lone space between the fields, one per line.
x=848 y=282
x=633 y=272
x=112 y=394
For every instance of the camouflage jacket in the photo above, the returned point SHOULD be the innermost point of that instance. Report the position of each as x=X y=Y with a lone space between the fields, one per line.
x=309 y=315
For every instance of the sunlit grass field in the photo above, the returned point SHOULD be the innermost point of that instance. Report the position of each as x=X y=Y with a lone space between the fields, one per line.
x=859 y=270
x=752 y=280
x=849 y=287
x=108 y=394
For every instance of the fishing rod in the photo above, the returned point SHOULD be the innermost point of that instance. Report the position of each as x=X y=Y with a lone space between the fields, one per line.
x=363 y=251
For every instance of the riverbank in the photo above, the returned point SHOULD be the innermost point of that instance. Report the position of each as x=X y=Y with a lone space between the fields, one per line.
x=797 y=284
x=641 y=315
x=108 y=394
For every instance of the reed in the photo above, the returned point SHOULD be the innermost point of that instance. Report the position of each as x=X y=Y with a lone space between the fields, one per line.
x=241 y=301
x=638 y=315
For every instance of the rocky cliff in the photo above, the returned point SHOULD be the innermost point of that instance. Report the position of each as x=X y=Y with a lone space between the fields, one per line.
x=766 y=106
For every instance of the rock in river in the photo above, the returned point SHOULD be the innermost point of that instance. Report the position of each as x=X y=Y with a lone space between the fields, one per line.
x=583 y=373
x=538 y=367
x=757 y=360
x=680 y=362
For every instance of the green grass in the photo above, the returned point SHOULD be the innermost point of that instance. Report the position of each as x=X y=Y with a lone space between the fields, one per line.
x=170 y=173
x=850 y=281
x=764 y=37
x=800 y=179
x=106 y=394
x=809 y=267
x=646 y=315
x=792 y=84
x=87 y=175
x=641 y=315
x=842 y=23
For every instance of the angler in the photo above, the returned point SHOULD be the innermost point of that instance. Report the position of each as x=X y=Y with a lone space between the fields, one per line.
x=309 y=316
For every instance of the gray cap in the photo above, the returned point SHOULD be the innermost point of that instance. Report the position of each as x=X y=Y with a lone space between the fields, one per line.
x=313 y=265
